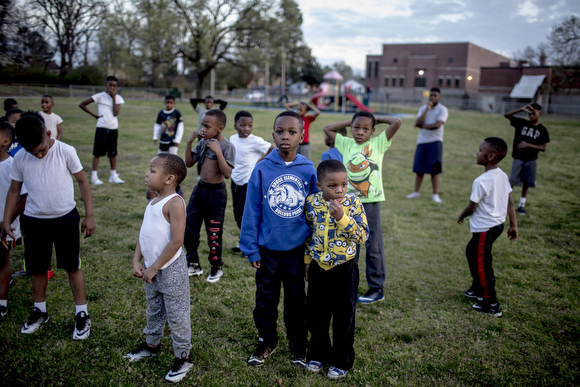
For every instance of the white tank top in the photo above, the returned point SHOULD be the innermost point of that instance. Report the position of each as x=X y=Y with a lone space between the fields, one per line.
x=155 y=232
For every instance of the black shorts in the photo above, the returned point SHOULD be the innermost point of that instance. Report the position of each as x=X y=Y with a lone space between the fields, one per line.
x=429 y=158
x=41 y=234
x=105 y=142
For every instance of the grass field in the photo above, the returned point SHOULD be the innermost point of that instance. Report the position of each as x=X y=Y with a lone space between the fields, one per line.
x=423 y=334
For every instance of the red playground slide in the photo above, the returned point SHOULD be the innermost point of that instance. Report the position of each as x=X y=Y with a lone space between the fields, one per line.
x=359 y=105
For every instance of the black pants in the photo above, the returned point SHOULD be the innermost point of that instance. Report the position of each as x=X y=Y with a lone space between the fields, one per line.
x=207 y=204
x=239 y=201
x=479 y=258
x=332 y=293
x=281 y=268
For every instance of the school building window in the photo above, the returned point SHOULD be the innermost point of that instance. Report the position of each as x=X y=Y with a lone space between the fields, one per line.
x=394 y=82
x=457 y=82
x=440 y=82
x=450 y=60
x=420 y=81
x=369 y=69
x=386 y=82
x=448 y=84
x=395 y=60
x=401 y=81
x=376 y=69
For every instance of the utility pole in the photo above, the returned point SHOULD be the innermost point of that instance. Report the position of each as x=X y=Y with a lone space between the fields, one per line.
x=283 y=75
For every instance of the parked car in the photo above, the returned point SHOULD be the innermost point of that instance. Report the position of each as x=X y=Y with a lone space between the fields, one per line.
x=254 y=95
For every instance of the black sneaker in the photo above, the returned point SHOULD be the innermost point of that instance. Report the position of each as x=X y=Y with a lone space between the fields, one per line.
x=215 y=274
x=372 y=295
x=36 y=319
x=3 y=311
x=521 y=210
x=487 y=308
x=181 y=366
x=236 y=250
x=299 y=358
x=476 y=294
x=142 y=352
x=261 y=353
x=82 y=326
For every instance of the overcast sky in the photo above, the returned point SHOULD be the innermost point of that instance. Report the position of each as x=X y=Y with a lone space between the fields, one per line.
x=349 y=30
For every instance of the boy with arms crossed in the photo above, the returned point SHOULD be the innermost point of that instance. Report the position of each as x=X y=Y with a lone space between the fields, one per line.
x=490 y=200
x=52 y=121
x=273 y=233
x=109 y=105
x=250 y=150
x=339 y=224
x=50 y=216
x=165 y=267
x=207 y=203
x=6 y=138
x=530 y=138
x=363 y=159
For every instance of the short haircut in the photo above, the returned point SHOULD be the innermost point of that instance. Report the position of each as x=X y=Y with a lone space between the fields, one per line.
x=30 y=129
x=243 y=113
x=9 y=102
x=7 y=130
x=48 y=96
x=364 y=114
x=329 y=166
x=13 y=111
x=208 y=96
x=112 y=78
x=289 y=113
x=219 y=115
x=435 y=89
x=174 y=165
x=169 y=96
x=499 y=146
x=536 y=106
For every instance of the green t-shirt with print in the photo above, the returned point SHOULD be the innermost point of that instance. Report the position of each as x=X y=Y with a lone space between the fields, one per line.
x=364 y=165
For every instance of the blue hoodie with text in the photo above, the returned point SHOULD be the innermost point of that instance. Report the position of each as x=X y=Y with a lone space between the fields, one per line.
x=274 y=215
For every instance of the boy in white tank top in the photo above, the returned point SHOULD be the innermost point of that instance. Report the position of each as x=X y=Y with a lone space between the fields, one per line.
x=165 y=269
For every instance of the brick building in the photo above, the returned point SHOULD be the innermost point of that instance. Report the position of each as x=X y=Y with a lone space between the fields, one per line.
x=444 y=65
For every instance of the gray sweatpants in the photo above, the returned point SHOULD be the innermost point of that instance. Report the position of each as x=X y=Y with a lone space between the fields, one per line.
x=375 y=252
x=168 y=299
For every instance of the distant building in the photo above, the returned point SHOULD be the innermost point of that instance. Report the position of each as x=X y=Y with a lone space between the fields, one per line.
x=444 y=65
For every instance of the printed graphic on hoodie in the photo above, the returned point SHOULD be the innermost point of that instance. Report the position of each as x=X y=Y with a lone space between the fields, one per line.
x=286 y=196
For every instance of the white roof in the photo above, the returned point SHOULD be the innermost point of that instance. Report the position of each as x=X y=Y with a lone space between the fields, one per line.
x=527 y=86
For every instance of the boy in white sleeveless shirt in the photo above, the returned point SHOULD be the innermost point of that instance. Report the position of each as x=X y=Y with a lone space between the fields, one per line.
x=165 y=268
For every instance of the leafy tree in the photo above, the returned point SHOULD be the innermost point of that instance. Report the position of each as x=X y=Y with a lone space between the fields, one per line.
x=70 y=23
x=565 y=42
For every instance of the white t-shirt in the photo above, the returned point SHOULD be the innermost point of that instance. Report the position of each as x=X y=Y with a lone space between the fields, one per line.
x=490 y=191
x=105 y=106
x=437 y=113
x=5 y=181
x=48 y=180
x=155 y=233
x=51 y=121
x=249 y=151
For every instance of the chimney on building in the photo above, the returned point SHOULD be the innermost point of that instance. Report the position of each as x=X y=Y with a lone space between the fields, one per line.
x=543 y=59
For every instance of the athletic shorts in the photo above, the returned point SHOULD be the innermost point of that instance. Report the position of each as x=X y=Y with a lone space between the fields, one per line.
x=105 y=142
x=304 y=150
x=524 y=171
x=41 y=234
x=429 y=158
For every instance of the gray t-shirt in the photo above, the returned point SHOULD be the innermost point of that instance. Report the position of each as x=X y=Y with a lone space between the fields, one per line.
x=201 y=151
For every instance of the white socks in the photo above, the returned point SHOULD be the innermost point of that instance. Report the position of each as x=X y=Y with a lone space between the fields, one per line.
x=113 y=172
x=81 y=308
x=94 y=174
x=41 y=306
x=522 y=202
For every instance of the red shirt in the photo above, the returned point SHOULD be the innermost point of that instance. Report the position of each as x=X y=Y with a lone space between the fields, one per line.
x=307 y=120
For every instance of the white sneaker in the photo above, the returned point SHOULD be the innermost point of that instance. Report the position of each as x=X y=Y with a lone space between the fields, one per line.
x=194 y=269
x=115 y=179
x=436 y=198
x=36 y=319
x=82 y=326
x=95 y=180
x=414 y=195
x=179 y=370
x=215 y=274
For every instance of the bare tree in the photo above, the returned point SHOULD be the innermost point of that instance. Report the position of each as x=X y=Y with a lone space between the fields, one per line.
x=70 y=23
x=565 y=42
x=210 y=32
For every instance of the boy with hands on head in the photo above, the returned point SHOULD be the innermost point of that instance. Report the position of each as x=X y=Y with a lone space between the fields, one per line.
x=489 y=202
x=339 y=224
x=363 y=159
x=165 y=267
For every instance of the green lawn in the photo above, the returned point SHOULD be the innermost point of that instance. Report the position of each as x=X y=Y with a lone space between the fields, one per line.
x=423 y=334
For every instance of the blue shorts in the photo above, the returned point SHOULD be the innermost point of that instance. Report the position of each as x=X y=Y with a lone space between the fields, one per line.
x=429 y=158
x=524 y=172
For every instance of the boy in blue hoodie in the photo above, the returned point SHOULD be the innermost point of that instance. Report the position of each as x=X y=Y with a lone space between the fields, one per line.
x=273 y=233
